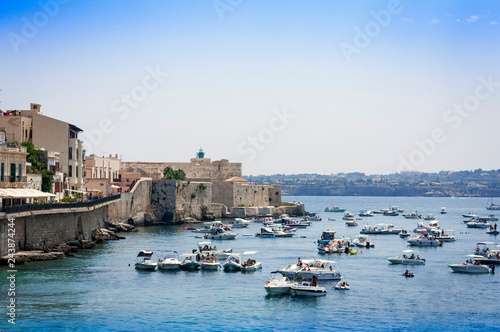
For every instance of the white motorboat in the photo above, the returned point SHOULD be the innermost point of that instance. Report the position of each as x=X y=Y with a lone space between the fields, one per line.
x=424 y=240
x=220 y=234
x=443 y=210
x=233 y=263
x=472 y=266
x=492 y=231
x=291 y=270
x=145 y=261
x=404 y=234
x=365 y=213
x=341 y=285
x=363 y=241
x=334 y=209
x=283 y=231
x=278 y=284
x=446 y=236
x=170 y=261
x=315 y=217
x=239 y=223
x=190 y=262
x=348 y=215
x=250 y=265
x=478 y=224
x=486 y=248
x=351 y=222
x=491 y=217
x=307 y=288
x=470 y=215
x=265 y=232
x=208 y=227
x=210 y=263
x=320 y=268
x=397 y=209
x=408 y=258
x=206 y=249
x=429 y=217
x=380 y=229
x=412 y=215
x=431 y=228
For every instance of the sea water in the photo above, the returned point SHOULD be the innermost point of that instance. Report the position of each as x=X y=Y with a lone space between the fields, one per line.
x=100 y=290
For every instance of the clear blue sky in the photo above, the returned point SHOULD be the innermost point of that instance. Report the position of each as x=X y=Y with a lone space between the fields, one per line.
x=362 y=81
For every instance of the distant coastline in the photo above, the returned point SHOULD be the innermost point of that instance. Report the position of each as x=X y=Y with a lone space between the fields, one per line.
x=476 y=183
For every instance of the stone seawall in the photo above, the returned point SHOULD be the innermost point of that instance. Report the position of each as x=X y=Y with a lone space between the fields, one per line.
x=42 y=230
x=132 y=205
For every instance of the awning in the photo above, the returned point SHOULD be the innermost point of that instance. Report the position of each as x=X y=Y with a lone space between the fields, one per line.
x=23 y=193
x=113 y=186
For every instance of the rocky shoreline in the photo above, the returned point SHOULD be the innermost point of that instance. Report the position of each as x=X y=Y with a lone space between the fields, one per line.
x=70 y=248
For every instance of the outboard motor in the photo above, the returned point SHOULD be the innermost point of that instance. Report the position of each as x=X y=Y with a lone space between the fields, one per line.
x=492 y=267
x=368 y=244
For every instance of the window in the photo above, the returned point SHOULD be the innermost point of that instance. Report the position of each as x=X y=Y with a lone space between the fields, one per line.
x=2 y=178
x=72 y=134
x=70 y=153
x=70 y=171
x=76 y=171
x=76 y=157
x=12 y=172
x=19 y=172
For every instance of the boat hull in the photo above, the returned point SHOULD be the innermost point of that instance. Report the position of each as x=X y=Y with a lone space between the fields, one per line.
x=424 y=243
x=277 y=290
x=308 y=291
x=192 y=266
x=210 y=266
x=406 y=261
x=469 y=268
x=169 y=267
x=148 y=267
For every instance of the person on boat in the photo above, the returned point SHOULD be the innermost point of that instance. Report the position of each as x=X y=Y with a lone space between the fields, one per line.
x=412 y=256
x=314 y=281
x=418 y=257
x=477 y=249
x=495 y=226
x=331 y=268
x=299 y=263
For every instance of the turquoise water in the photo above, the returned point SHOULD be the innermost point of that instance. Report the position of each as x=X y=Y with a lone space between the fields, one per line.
x=100 y=291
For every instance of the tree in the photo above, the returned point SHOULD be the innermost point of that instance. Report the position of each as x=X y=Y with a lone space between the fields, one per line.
x=170 y=174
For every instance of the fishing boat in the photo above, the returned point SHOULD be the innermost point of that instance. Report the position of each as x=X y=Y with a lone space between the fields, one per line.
x=170 y=261
x=307 y=288
x=278 y=284
x=145 y=261
x=408 y=258
x=474 y=265
x=334 y=209
x=190 y=262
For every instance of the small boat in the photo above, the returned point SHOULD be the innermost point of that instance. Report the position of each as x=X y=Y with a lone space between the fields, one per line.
x=315 y=217
x=492 y=232
x=408 y=274
x=250 y=265
x=233 y=263
x=363 y=241
x=478 y=224
x=412 y=215
x=144 y=261
x=472 y=266
x=291 y=270
x=443 y=210
x=470 y=215
x=351 y=222
x=189 y=228
x=342 y=285
x=407 y=260
x=265 y=232
x=220 y=234
x=491 y=217
x=390 y=213
x=429 y=217
x=397 y=209
x=283 y=231
x=239 y=223
x=320 y=268
x=433 y=227
x=170 y=261
x=278 y=284
x=491 y=258
x=424 y=240
x=486 y=248
x=353 y=252
x=334 y=209
x=492 y=206
x=446 y=235
x=190 y=262
x=296 y=223
x=210 y=263
x=307 y=288
x=404 y=233
x=206 y=249
x=365 y=213
x=348 y=215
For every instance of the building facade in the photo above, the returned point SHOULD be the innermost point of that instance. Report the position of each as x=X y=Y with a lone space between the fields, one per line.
x=49 y=134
